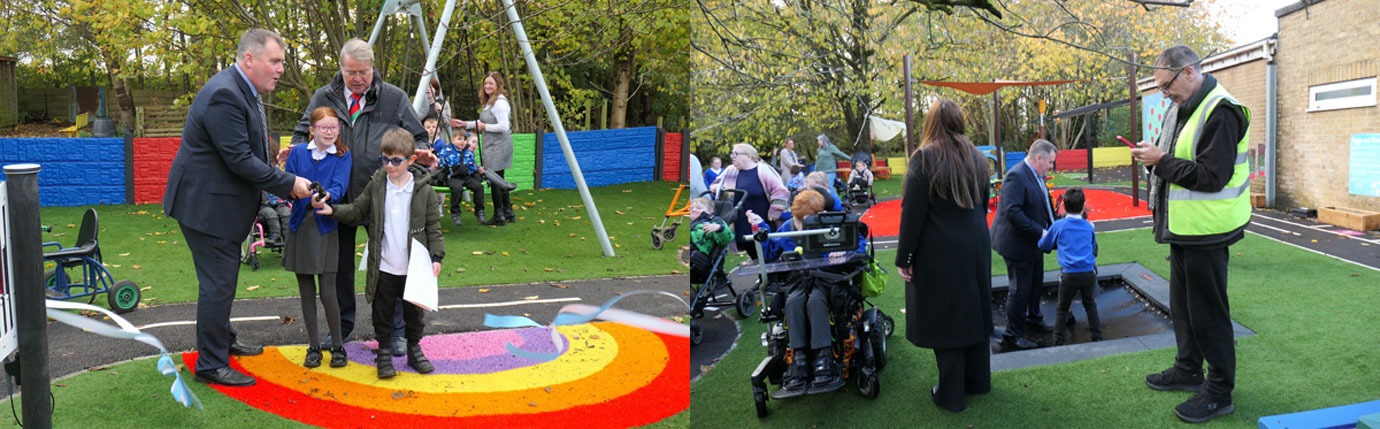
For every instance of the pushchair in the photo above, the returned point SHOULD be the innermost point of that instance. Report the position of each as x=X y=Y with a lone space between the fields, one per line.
x=859 y=193
x=859 y=329
x=85 y=256
x=709 y=272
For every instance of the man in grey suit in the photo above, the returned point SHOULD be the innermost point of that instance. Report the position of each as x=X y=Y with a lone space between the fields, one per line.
x=213 y=192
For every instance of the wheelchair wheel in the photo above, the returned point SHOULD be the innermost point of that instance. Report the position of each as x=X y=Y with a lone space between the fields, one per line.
x=696 y=334
x=746 y=304
x=670 y=233
x=869 y=386
x=123 y=297
x=888 y=325
x=761 y=400
x=656 y=239
x=878 y=349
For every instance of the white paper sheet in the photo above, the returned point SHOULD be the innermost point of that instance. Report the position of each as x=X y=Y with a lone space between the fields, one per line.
x=420 y=288
x=364 y=260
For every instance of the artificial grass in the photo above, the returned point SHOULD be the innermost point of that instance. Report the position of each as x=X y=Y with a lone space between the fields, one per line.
x=552 y=241
x=134 y=394
x=1314 y=347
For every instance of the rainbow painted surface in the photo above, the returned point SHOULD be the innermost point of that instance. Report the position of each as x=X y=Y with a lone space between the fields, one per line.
x=611 y=375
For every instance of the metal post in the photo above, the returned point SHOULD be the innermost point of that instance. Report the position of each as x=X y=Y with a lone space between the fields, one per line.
x=910 y=133
x=378 y=24
x=419 y=97
x=1271 y=140
x=555 y=118
x=1088 y=125
x=30 y=312
x=1135 y=128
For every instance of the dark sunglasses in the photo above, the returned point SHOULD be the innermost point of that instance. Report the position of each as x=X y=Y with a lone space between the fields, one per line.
x=392 y=161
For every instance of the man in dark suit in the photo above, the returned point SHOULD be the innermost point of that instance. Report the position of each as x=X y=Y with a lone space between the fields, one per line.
x=1023 y=216
x=213 y=192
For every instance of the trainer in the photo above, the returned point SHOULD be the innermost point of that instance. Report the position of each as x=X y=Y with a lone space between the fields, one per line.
x=1200 y=205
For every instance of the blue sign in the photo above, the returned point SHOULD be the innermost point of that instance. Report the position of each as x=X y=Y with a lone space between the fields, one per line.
x=1364 y=165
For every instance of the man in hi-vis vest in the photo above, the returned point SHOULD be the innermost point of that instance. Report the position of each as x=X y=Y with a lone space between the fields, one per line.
x=1201 y=204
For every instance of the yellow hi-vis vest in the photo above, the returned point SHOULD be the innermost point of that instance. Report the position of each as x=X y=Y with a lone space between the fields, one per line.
x=1206 y=213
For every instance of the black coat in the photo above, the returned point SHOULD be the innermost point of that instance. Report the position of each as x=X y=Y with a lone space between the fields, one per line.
x=949 y=297
x=1022 y=216
x=222 y=163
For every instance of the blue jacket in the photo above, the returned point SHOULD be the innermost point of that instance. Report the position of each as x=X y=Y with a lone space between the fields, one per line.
x=1022 y=214
x=1077 y=244
x=333 y=172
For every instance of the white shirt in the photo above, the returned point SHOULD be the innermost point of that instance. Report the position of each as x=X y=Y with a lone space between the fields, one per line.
x=317 y=154
x=500 y=109
x=396 y=206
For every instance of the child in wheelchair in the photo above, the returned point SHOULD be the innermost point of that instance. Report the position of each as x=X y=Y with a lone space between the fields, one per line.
x=274 y=214
x=812 y=297
x=860 y=183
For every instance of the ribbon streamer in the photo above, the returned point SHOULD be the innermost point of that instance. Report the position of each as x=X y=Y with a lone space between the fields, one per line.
x=126 y=330
x=576 y=314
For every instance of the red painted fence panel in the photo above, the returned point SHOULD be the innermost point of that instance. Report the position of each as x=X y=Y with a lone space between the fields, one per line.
x=153 y=158
x=670 y=166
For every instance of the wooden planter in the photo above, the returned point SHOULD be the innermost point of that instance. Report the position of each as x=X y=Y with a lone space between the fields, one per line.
x=1349 y=218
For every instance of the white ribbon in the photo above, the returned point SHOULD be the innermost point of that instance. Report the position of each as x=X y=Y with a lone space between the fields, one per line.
x=127 y=331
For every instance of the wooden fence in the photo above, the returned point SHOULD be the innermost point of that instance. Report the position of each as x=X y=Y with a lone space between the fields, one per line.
x=166 y=121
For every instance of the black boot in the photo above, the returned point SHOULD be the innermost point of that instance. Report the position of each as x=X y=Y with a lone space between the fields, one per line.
x=479 y=214
x=338 y=357
x=508 y=208
x=384 y=361
x=826 y=377
x=797 y=377
x=313 y=359
x=417 y=360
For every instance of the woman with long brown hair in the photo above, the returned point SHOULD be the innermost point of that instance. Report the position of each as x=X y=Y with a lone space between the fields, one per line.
x=945 y=256
x=496 y=142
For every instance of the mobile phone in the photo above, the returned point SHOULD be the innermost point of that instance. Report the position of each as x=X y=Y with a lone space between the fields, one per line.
x=1128 y=143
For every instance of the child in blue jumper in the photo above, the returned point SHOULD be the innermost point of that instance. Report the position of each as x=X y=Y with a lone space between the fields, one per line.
x=1077 y=243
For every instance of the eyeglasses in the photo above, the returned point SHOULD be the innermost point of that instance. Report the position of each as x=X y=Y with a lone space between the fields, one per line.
x=327 y=128
x=731 y=154
x=356 y=73
x=1165 y=88
x=392 y=161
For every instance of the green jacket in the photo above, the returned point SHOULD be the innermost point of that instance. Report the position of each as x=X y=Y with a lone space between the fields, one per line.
x=707 y=241
x=424 y=221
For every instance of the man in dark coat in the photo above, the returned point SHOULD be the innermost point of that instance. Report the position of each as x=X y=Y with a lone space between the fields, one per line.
x=213 y=192
x=1023 y=216
x=368 y=107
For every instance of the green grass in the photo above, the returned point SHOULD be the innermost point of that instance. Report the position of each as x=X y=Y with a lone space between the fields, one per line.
x=553 y=241
x=1315 y=347
x=135 y=395
x=888 y=187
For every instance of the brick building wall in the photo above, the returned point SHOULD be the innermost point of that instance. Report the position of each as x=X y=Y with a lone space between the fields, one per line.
x=1331 y=41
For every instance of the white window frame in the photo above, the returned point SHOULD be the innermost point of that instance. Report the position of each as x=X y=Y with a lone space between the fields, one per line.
x=1315 y=105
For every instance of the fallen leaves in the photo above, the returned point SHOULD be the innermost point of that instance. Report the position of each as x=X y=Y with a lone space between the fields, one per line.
x=252 y=288
x=529 y=298
x=560 y=286
x=483 y=291
x=286 y=320
x=137 y=267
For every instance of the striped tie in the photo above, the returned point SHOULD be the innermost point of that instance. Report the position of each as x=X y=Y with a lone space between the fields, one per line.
x=354 y=107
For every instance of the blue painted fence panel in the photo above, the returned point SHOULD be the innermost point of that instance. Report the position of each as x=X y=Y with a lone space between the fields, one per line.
x=606 y=157
x=75 y=171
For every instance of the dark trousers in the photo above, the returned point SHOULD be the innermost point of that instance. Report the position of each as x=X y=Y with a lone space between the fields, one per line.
x=1084 y=285
x=345 y=283
x=1201 y=315
x=500 y=196
x=962 y=371
x=387 y=297
x=217 y=263
x=465 y=181
x=807 y=316
x=1026 y=278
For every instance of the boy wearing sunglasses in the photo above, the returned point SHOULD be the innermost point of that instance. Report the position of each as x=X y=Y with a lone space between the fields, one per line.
x=400 y=206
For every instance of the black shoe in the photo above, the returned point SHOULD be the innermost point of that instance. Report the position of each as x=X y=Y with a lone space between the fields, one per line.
x=1176 y=379
x=339 y=358
x=497 y=220
x=826 y=373
x=313 y=357
x=1058 y=341
x=225 y=376
x=384 y=361
x=1201 y=408
x=1011 y=343
x=398 y=346
x=417 y=360
x=479 y=214
x=1097 y=337
x=1038 y=326
x=934 y=397
x=240 y=349
x=797 y=378
x=455 y=219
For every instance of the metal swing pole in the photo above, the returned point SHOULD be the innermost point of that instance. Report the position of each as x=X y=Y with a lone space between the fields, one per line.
x=419 y=97
x=556 y=124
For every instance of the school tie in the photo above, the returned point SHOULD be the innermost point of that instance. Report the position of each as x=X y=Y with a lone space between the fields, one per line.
x=354 y=107
x=1049 y=208
x=263 y=122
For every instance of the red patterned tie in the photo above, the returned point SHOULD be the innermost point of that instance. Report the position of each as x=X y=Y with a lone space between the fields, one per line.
x=354 y=107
